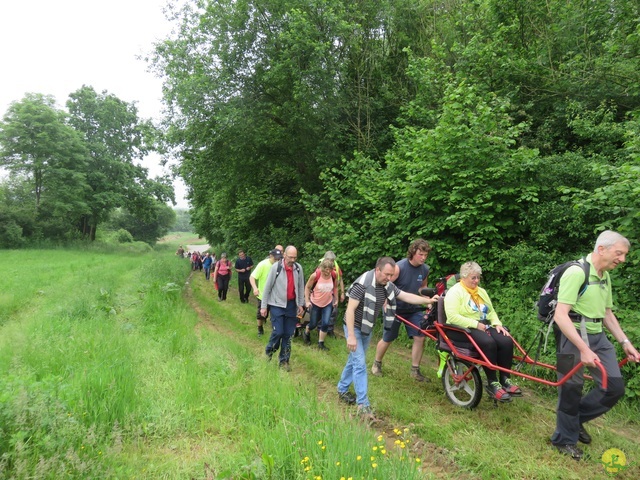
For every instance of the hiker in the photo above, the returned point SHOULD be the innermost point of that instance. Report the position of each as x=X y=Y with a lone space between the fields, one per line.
x=257 y=279
x=468 y=306
x=411 y=274
x=321 y=298
x=180 y=252
x=368 y=294
x=206 y=265
x=283 y=294
x=243 y=267
x=591 y=310
x=222 y=276
x=339 y=277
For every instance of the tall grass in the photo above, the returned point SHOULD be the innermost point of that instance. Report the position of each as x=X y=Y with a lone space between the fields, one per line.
x=103 y=375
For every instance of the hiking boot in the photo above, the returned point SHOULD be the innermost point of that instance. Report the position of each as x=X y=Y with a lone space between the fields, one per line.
x=306 y=336
x=497 y=392
x=260 y=331
x=416 y=374
x=285 y=366
x=570 y=450
x=322 y=346
x=584 y=436
x=347 y=397
x=365 y=413
x=511 y=388
x=376 y=368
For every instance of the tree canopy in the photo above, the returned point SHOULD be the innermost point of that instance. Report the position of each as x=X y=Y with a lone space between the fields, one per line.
x=479 y=125
x=71 y=170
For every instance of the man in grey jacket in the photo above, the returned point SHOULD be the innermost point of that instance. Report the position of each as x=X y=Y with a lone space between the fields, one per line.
x=283 y=293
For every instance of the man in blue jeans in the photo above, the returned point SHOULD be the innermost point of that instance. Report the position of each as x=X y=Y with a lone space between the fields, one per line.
x=367 y=296
x=283 y=293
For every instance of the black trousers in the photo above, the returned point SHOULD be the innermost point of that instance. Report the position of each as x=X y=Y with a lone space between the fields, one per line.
x=497 y=347
x=244 y=289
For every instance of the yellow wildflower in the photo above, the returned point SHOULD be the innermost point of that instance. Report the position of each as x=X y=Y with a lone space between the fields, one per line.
x=324 y=447
x=379 y=438
x=337 y=465
x=319 y=442
x=359 y=457
x=375 y=448
x=374 y=465
x=383 y=451
x=402 y=444
x=418 y=460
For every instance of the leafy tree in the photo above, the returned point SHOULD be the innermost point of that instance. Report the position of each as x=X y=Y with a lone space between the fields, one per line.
x=183 y=221
x=277 y=92
x=158 y=220
x=116 y=139
x=39 y=147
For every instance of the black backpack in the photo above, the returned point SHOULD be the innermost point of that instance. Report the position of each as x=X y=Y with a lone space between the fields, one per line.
x=549 y=293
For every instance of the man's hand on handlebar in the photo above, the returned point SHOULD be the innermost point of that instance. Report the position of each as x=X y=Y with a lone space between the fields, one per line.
x=589 y=358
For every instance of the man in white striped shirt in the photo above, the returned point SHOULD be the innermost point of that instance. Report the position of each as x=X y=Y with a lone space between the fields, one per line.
x=372 y=291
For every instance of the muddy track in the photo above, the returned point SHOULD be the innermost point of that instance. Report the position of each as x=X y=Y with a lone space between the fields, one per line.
x=436 y=460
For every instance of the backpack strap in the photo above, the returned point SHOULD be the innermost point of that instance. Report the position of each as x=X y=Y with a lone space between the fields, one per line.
x=280 y=263
x=586 y=268
x=583 y=327
x=318 y=273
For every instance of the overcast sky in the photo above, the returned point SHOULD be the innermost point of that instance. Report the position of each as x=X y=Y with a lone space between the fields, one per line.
x=54 y=47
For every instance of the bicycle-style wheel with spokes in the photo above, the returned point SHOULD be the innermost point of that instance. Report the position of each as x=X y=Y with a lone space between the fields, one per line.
x=462 y=383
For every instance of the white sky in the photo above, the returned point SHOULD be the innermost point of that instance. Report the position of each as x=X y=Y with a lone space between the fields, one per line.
x=54 y=47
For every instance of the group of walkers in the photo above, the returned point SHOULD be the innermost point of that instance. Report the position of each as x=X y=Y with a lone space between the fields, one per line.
x=392 y=289
x=278 y=283
x=222 y=271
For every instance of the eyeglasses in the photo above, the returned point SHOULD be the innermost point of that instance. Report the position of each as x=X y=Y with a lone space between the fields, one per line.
x=476 y=277
x=290 y=257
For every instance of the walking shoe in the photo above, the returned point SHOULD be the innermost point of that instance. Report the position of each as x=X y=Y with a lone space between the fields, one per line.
x=260 y=331
x=584 y=436
x=570 y=450
x=497 y=392
x=416 y=374
x=347 y=397
x=306 y=336
x=322 y=346
x=365 y=413
x=511 y=388
x=285 y=366
x=376 y=368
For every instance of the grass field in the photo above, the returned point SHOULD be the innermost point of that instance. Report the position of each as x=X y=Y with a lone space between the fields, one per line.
x=121 y=365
